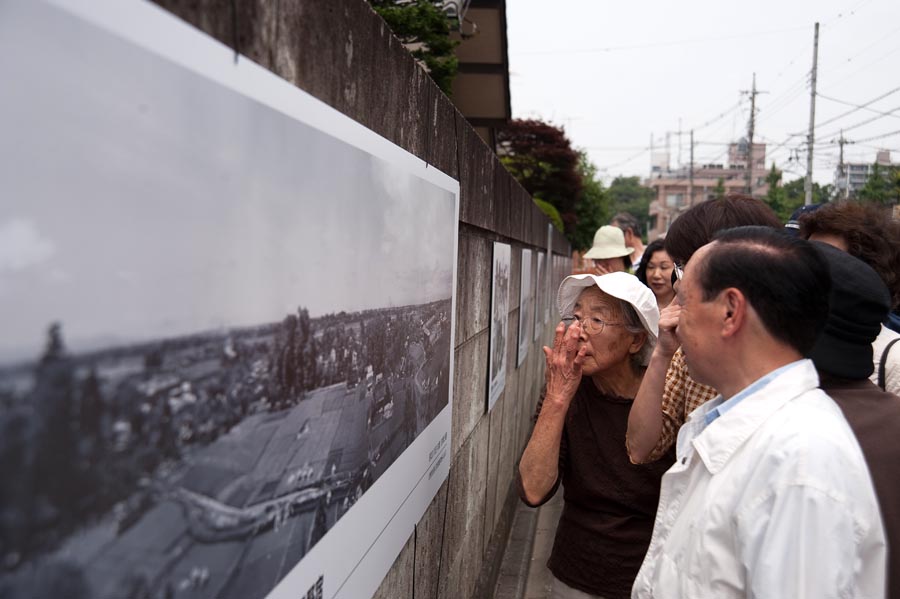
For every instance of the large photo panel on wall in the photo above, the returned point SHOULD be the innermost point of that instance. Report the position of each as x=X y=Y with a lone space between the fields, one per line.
x=227 y=320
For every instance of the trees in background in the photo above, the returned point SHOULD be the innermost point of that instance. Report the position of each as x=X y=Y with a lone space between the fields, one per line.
x=541 y=158
x=785 y=199
x=592 y=209
x=424 y=27
x=626 y=194
x=882 y=186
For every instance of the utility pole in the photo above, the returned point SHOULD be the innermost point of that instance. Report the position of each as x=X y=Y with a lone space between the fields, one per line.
x=810 y=139
x=843 y=175
x=691 y=174
x=680 y=163
x=751 y=128
x=668 y=152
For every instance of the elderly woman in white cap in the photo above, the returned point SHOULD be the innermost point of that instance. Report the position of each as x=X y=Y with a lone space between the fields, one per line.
x=609 y=252
x=593 y=373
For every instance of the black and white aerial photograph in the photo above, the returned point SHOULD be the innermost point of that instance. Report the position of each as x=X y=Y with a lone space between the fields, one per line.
x=526 y=308
x=222 y=325
x=499 y=321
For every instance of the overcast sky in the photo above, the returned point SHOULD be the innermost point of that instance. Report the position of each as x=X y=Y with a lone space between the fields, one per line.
x=141 y=201
x=616 y=73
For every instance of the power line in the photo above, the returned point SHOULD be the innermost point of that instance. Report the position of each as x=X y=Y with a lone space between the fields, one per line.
x=864 y=67
x=858 y=107
x=882 y=136
x=850 y=60
x=829 y=98
x=719 y=117
x=627 y=160
x=866 y=122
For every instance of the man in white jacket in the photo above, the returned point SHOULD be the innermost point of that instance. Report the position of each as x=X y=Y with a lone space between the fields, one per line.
x=770 y=495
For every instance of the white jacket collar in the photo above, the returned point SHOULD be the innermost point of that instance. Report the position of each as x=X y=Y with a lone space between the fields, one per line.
x=716 y=443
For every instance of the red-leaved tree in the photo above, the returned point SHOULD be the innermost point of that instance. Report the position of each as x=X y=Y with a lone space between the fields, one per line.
x=541 y=158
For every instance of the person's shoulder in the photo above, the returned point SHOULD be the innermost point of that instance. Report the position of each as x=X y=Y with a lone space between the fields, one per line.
x=865 y=403
x=884 y=337
x=811 y=432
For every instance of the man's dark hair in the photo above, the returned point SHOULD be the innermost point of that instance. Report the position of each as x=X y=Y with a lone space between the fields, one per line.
x=784 y=278
x=696 y=227
x=626 y=222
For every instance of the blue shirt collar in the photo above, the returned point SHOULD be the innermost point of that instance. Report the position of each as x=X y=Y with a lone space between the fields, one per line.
x=746 y=391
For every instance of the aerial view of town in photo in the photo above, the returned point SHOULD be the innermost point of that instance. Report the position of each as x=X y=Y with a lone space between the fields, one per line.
x=221 y=326
x=206 y=466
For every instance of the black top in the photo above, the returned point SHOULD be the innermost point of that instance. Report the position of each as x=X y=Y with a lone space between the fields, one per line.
x=609 y=503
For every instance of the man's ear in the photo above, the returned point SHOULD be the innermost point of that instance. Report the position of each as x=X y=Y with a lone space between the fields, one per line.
x=734 y=310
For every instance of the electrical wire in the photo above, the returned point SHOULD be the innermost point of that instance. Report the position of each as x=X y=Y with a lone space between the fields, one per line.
x=861 y=123
x=858 y=107
x=882 y=136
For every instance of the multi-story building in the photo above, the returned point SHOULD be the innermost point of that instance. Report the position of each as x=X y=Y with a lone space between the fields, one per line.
x=481 y=85
x=850 y=177
x=679 y=189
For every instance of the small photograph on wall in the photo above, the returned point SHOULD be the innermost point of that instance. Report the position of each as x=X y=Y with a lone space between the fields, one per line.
x=225 y=321
x=549 y=289
x=540 y=295
x=560 y=273
x=526 y=308
x=499 y=321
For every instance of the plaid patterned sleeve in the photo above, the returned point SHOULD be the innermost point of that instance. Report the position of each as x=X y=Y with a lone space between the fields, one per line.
x=681 y=396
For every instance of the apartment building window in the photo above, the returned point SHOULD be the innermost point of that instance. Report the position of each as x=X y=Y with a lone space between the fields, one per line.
x=673 y=200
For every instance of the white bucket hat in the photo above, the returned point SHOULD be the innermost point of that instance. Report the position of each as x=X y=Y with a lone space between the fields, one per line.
x=619 y=285
x=609 y=242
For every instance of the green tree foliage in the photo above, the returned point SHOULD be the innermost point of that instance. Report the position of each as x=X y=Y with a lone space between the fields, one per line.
x=719 y=189
x=626 y=194
x=541 y=158
x=882 y=186
x=796 y=193
x=778 y=199
x=592 y=210
x=426 y=25
x=551 y=212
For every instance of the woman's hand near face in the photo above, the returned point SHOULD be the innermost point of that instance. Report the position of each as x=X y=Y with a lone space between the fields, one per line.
x=601 y=268
x=538 y=468
x=564 y=363
x=668 y=343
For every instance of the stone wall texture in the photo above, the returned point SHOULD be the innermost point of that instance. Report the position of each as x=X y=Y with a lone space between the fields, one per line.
x=341 y=52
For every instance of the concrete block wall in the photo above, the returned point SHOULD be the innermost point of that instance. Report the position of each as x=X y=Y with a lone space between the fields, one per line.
x=341 y=52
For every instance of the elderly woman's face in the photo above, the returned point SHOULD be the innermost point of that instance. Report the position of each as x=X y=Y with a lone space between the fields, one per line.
x=610 y=344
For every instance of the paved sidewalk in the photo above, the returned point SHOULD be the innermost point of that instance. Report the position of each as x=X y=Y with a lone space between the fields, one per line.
x=523 y=572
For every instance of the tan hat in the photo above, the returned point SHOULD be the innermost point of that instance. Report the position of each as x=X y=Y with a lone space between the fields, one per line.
x=609 y=242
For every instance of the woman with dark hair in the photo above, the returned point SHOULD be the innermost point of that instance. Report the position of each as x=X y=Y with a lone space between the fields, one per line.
x=655 y=271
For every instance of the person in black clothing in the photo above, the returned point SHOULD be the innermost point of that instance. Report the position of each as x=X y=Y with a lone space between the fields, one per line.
x=593 y=372
x=858 y=303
